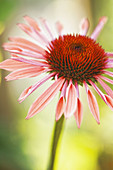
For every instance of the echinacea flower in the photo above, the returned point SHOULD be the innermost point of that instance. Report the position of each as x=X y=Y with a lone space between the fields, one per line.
x=69 y=60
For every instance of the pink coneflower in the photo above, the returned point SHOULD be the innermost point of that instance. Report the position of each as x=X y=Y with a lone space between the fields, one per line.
x=69 y=60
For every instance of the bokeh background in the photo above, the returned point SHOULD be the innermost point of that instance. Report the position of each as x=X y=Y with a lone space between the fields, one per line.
x=26 y=144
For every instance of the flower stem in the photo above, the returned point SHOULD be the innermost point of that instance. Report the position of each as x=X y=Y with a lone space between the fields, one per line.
x=56 y=135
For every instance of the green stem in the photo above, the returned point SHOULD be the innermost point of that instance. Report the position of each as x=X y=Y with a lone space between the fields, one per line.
x=56 y=135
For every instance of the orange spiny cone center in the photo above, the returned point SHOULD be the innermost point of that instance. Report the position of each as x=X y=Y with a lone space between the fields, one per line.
x=76 y=57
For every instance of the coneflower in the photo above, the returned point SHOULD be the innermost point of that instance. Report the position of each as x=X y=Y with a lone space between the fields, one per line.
x=69 y=60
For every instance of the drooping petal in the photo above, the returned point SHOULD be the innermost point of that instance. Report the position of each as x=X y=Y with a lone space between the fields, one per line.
x=24 y=93
x=63 y=91
x=61 y=103
x=84 y=26
x=60 y=108
x=92 y=102
x=25 y=73
x=99 y=27
x=78 y=113
x=109 y=101
x=12 y=65
x=98 y=91
x=45 y=98
x=71 y=99
x=59 y=27
x=106 y=88
x=93 y=106
x=77 y=89
x=32 y=88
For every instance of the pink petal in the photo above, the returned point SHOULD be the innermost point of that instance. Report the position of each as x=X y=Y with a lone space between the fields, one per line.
x=109 y=54
x=106 y=88
x=32 y=88
x=63 y=91
x=45 y=98
x=29 y=61
x=60 y=108
x=46 y=25
x=77 y=89
x=78 y=113
x=35 y=30
x=12 y=65
x=71 y=99
x=32 y=23
x=109 y=65
x=99 y=27
x=93 y=106
x=59 y=27
x=109 y=60
x=25 y=73
x=98 y=91
x=28 y=44
x=61 y=103
x=25 y=28
x=33 y=33
x=84 y=26
x=109 y=101
x=24 y=93
x=108 y=73
x=23 y=50
x=106 y=79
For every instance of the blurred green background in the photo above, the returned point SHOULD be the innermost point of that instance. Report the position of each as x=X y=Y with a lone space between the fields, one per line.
x=25 y=144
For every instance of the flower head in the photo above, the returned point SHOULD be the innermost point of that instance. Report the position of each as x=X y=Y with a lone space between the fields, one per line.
x=69 y=60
